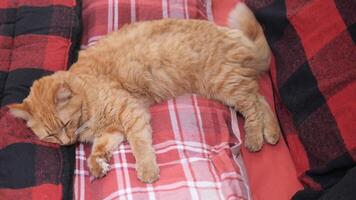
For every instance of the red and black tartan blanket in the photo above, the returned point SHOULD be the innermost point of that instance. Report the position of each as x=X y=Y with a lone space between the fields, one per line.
x=314 y=76
x=36 y=39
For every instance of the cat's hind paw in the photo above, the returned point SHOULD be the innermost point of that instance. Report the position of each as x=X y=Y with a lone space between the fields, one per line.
x=148 y=173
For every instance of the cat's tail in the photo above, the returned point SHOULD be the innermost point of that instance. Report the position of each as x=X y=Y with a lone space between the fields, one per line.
x=241 y=17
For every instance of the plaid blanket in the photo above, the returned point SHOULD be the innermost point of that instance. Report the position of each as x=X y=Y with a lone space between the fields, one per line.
x=196 y=150
x=36 y=39
x=196 y=140
x=315 y=81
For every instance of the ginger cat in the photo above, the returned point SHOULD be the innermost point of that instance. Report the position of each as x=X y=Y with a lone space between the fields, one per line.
x=104 y=97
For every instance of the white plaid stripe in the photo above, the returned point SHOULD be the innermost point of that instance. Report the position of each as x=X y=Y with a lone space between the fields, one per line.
x=175 y=127
x=200 y=124
x=237 y=156
x=91 y=42
x=167 y=187
x=119 y=181
x=129 y=191
x=175 y=145
x=165 y=8
x=150 y=191
x=76 y=177
x=186 y=11
x=190 y=144
x=110 y=15
x=133 y=10
x=116 y=15
x=202 y=133
x=82 y=182
x=118 y=164
x=176 y=9
x=209 y=9
x=126 y=172
x=217 y=182
x=239 y=162
x=190 y=107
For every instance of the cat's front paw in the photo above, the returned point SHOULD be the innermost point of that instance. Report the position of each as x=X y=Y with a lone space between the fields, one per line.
x=271 y=131
x=254 y=138
x=98 y=166
x=148 y=172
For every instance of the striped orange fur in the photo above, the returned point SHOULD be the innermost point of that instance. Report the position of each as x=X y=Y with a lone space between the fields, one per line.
x=104 y=97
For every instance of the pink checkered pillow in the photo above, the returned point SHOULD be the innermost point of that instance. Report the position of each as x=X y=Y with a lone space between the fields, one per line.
x=194 y=138
x=104 y=16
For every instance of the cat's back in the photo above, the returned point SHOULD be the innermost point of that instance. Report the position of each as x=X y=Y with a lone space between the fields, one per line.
x=162 y=58
x=162 y=31
x=172 y=40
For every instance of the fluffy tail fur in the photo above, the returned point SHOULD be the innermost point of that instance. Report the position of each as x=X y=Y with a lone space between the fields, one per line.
x=243 y=19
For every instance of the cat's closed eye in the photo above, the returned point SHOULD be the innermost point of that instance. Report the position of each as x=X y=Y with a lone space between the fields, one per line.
x=65 y=126
x=67 y=123
x=53 y=138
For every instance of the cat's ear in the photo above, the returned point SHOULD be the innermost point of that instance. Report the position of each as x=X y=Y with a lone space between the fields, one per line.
x=63 y=95
x=20 y=110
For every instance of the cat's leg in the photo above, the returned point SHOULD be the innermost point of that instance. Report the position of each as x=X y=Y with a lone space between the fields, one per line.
x=250 y=109
x=271 y=130
x=101 y=153
x=241 y=92
x=260 y=121
x=141 y=144
x=135 y=122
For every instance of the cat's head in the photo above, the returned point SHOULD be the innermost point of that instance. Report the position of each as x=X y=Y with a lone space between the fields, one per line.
x=52 y=109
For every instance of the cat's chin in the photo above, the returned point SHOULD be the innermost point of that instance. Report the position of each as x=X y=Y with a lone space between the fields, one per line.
x=69 y=144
